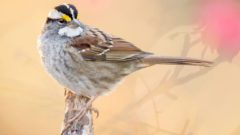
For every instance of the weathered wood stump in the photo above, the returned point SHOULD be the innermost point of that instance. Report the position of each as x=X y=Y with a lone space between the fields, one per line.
x=82 y=126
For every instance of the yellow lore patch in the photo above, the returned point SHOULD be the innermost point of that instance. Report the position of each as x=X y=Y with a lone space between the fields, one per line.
x=67 y=18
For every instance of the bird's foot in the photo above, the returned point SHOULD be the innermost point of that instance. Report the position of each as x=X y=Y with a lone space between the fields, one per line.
x=95 y=110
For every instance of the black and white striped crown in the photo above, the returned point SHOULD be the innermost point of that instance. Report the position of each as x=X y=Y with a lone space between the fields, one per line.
x=68 y=9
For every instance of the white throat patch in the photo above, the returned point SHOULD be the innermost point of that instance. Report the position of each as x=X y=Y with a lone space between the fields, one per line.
x=70 y=32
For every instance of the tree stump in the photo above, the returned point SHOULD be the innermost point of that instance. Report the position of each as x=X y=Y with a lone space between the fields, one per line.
x=82 y=126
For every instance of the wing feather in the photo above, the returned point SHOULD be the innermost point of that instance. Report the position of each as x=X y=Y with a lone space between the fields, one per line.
x=97 y=45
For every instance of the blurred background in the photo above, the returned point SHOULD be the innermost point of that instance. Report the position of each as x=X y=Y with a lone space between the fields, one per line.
x=160 y=100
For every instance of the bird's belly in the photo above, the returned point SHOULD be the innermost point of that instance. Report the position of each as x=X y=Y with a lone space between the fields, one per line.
x=86 y=78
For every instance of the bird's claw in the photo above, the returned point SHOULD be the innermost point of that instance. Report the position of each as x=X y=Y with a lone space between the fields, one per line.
x=95 y=111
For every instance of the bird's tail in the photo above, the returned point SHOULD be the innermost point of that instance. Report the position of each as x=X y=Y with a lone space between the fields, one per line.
x=153 y=59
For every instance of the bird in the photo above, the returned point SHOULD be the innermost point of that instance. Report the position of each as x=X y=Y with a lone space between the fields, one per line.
x=89 y=61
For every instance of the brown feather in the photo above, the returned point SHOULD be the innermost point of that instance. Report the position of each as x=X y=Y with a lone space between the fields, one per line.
x=97 y=45
x=152 y=60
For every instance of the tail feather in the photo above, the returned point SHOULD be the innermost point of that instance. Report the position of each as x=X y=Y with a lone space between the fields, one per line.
x=152 y=60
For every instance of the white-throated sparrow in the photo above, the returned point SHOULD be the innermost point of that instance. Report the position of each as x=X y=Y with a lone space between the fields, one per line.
x=89 y=61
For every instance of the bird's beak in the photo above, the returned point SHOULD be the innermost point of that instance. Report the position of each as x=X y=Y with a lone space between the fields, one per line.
x=74 y=24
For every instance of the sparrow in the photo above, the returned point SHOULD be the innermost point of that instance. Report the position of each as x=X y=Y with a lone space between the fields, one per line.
x=89 y=61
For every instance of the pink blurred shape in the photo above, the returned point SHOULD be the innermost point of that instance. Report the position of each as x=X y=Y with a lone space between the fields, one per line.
x=221 y=21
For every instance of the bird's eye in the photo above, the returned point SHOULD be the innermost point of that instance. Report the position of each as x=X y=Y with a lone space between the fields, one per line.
x=62 y=21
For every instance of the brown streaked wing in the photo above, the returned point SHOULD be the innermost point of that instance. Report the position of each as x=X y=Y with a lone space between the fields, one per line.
x=98 y=45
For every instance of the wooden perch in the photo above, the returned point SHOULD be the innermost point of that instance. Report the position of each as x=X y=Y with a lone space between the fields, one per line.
x=82 y=126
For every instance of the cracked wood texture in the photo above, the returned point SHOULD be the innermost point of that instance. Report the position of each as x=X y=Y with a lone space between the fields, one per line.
x=83 y=126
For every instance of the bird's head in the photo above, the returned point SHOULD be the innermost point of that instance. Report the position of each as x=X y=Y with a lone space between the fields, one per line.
x=63 y=20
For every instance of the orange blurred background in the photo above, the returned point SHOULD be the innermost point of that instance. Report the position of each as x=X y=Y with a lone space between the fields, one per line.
x=160 y=100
